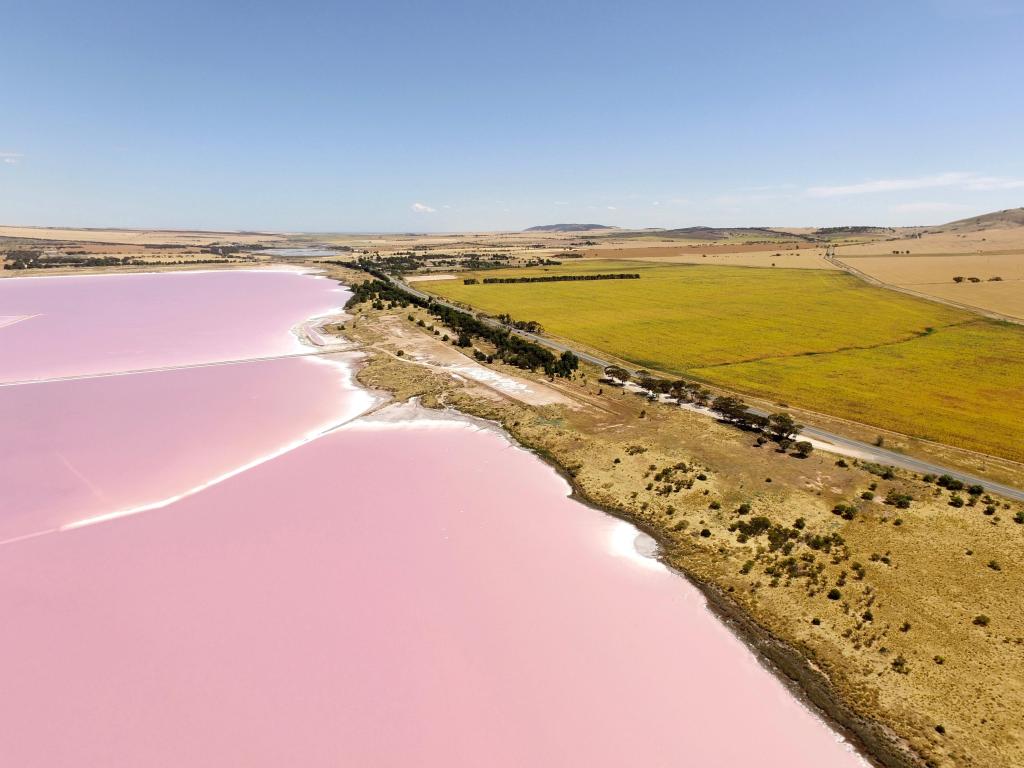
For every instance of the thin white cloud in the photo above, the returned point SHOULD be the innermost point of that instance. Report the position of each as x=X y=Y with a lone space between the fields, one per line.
x=957 y=180
x=612 y=208
x=560 y=202
x=422 y=208
x=993 y=183
x=926 y=207
x=11 y=158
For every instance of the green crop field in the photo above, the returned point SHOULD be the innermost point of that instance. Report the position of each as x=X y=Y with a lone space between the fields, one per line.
x=814 y=338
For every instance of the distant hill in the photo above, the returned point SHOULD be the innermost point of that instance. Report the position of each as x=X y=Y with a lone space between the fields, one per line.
x=838 y=233
x=725 y=233
x=567 y=228
x=1011 y=217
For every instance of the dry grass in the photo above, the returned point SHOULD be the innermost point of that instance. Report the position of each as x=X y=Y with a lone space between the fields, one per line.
x=933 y=276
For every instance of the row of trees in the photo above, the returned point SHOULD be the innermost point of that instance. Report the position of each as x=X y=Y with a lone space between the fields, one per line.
x=779 y=427
x=509 y=347
x=35 y=260
x=530 y=326
x=559 y=278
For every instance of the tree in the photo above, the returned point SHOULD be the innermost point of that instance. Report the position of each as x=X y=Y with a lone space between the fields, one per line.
x=729 y=408
x=701 y=396
x=567 y=363
x=782 y=426
x=803 y=448
x=615 y=372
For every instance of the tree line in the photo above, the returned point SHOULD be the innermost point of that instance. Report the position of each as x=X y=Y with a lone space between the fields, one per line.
x=557 y=278
x=37 y=260
x=509 y=347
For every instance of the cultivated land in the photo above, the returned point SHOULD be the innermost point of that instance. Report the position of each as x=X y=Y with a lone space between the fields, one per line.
x=825 y=341
x=920 y=649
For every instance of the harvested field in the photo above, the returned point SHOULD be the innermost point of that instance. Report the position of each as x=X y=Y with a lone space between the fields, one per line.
x=933 y=276
x=783 y=256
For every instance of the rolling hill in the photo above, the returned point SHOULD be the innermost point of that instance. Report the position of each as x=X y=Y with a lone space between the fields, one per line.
x=567 y=227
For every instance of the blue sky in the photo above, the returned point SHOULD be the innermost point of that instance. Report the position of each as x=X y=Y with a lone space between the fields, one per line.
x=435 y=116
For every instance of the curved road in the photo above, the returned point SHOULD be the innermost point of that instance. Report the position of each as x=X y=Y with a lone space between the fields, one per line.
x=872 y=452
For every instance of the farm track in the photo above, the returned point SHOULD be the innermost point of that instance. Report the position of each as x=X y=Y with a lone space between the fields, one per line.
x=874 y=453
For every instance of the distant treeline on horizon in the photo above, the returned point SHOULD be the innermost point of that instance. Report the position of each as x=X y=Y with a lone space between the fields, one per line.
x=552 y=278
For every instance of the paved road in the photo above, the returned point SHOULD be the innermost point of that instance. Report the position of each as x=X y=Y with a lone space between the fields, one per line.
x=870 y=452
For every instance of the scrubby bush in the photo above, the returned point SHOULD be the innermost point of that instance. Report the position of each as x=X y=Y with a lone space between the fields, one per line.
x=845 y=511
x=949 y=483
x=898 y=499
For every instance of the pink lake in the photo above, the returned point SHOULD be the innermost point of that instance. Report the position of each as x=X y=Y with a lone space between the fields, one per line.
x=83 y=447
x=54 y=327
x=414 y=591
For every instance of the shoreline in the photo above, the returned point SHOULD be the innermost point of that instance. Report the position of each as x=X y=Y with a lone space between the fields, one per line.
x=798 y=674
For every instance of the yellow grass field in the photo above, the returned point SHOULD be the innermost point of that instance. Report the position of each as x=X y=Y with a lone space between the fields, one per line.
x=817 y=339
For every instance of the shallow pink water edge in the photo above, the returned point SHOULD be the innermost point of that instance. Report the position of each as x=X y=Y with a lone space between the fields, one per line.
x=80 y=448
x=387 y=595
x=63 y=326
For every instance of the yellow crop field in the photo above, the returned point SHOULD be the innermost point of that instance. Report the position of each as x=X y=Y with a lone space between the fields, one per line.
x=962 y=385
x=817 y=339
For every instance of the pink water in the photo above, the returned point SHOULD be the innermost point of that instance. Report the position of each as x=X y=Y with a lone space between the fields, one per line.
x=76 y=326
x=82 y=447
x=388 y=594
